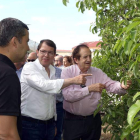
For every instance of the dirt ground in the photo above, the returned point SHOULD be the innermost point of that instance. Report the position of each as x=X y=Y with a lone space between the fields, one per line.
x=104 y=136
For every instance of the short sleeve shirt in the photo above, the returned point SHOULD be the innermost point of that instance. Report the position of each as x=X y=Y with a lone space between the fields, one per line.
x=10 y=91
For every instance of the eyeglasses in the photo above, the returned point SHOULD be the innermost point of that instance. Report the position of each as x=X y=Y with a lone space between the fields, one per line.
x=30 y=60
x=46 y=52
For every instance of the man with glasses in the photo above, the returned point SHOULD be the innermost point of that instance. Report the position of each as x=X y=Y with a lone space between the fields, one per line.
x=32 y=57
x=39 y=86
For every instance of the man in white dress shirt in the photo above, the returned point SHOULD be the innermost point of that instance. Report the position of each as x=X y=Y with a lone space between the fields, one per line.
x=38 y=86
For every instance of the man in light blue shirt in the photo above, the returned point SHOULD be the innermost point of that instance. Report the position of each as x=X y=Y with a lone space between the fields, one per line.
x=59 y=108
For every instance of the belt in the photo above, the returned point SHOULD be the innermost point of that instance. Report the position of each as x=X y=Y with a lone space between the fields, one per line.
x=72 y=116
x=58 y=101
x=36 y=120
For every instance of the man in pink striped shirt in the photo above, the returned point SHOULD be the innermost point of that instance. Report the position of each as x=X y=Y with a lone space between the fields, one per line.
x=80 y=102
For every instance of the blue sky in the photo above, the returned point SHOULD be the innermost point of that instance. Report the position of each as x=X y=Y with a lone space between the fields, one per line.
x=50 y=19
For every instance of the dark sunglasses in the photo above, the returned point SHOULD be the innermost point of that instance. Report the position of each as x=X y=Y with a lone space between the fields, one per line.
x=30 y=60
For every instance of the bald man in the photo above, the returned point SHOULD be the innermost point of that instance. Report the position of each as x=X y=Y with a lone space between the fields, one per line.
x=58 y=62
x=32 y=57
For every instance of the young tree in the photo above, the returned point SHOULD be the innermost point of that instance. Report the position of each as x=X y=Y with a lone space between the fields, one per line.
x=118 y=23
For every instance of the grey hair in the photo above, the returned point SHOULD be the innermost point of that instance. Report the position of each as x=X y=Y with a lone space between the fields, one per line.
x=9 y=28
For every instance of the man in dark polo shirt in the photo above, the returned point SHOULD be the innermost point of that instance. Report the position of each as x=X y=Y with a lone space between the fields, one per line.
x=14 y=39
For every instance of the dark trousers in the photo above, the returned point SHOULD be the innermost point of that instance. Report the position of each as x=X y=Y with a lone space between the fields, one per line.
x=59 y=122
x=33 y=129
x=82 y=128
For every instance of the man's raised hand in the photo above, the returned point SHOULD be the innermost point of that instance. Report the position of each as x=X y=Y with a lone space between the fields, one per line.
x=98 y=87
x=81 y=79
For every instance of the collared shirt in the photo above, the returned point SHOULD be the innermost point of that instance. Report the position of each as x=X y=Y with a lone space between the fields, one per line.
x=61 y=67
x=59 y=97
x=38 y=91
x=78 y=100
x=10 y=92
x=19 y=72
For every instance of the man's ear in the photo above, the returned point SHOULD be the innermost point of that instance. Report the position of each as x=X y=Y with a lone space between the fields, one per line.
x=14 y=41
x=37 y=52
x=75 y=60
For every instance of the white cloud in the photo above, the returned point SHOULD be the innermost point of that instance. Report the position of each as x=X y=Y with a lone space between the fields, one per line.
x=64 y=40
x=2 y=6
x=20 y=2
x=90 y=12
x=84 y=23
x=42 y=20
x=71 y=40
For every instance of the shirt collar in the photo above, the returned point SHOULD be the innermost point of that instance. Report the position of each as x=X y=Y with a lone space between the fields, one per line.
x=52 y=69
x=6 y=60
x=79 y=71
x=38 y=64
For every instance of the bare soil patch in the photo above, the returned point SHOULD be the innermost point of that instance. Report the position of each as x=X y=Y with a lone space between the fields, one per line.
x=105 y=136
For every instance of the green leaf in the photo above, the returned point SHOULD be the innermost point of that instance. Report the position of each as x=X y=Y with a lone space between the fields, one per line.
x=125 y=133
x=123 y=2
x=132 y=25
x=77 y=4
x=133 y=110
x=133 y=50
x=130 y=129
x=82 y=6
x=139 y=133
x=99 y=43
x=136 y=14
x=93 y=30
x=127 y=47
x=136 y=69
x=65 y=2
x=123 y=79
x=136 y=19
x=122 y=21
x=136 y=126
x=105 y=129
x=133 y=34
x=138 y=58
x=136 y=95
x=131 y=66
x=90 y=29
x=116 y=45
x=119 y=32
x=113 y=114
x=129 y=102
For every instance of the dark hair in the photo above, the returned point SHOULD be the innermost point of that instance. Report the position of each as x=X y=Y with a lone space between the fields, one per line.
x=49 y=43
x=9 y=28
x=69 y=59
x=75 y=53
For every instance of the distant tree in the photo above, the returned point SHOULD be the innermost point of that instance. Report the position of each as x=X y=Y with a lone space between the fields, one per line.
x=118 y=23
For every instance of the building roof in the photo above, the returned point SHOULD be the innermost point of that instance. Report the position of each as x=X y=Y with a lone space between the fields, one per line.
x=68 y=51
x=91 y=45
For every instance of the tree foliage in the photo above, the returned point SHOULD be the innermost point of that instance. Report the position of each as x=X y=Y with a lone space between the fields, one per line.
x=118 y=23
